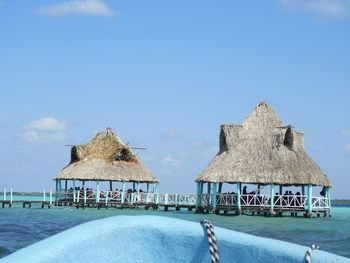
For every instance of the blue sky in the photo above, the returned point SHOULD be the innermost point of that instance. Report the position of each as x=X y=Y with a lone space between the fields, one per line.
x=165 y=75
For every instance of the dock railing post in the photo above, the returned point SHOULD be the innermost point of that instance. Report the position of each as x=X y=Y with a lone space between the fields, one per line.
x=56 y=190
x=44 y=195
x=84 y=197
x=214 y=196
x=11 y=196
x=74 y=190
x=50 y=197
x=4 y=194
x=328 y=191
x=238 y=186
x=97 y=191
x=78 y=196
x=166 y=199
x=132 y=198
x=123 y=193
x=272 y=198
x=309 y=201
x=107 y=198
x=147 y=195
x=197 y=196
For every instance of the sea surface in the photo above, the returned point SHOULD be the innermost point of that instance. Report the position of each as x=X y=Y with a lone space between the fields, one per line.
x=20 y=227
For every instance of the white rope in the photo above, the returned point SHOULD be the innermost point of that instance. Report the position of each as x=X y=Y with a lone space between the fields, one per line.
x=309 y=251
x=214 y=255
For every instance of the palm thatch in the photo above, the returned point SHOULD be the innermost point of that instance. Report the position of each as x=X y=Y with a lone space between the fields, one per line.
x=105 y=158
x=263 y=150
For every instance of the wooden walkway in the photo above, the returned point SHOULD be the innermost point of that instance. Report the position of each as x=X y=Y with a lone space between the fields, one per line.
x=225 y=204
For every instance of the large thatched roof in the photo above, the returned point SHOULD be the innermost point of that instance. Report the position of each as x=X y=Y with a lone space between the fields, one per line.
x=105 y=158
x=263 y=150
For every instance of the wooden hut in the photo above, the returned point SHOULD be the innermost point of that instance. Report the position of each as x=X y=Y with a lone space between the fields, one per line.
x=104 y=158
x=266 y=152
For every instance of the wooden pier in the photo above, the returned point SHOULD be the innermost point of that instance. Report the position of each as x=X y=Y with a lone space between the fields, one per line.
x=225 y=204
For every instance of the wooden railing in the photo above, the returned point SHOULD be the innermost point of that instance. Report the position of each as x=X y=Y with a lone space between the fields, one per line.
x=251 y=200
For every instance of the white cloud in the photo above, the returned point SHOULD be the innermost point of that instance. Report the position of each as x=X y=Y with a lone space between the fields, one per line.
x=345 y=132
x=170 y=161
x=347 y=147
x=81 y=7
x=47 y=124
x=330 y=8
x=46 y=129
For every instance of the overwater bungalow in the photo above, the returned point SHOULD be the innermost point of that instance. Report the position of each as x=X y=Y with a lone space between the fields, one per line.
x=266 y=153
x=105 y=159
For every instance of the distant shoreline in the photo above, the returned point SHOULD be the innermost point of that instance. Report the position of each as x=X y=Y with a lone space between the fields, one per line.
x=335 y=201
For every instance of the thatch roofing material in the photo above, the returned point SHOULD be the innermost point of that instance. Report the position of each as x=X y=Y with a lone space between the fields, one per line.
x=105 y=158
x=262 y=150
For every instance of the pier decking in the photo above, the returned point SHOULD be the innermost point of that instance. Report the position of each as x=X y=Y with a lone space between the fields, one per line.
x=225 y=203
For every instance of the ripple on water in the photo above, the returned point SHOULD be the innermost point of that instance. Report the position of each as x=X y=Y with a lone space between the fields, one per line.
x=21 y=227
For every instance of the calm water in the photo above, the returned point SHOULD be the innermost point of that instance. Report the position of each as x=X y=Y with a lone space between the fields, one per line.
x=21 y=227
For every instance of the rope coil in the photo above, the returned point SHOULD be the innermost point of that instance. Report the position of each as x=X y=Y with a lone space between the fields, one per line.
x=309 y=251
x=214 y=255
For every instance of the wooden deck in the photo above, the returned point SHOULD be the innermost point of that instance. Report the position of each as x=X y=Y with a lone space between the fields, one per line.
x=225 y=204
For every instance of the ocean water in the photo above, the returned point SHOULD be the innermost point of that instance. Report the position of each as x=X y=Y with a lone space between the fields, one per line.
x=20 y=227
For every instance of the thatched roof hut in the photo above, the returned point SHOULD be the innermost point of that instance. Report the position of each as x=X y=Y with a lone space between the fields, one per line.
x=105 y=158
x=263 y=150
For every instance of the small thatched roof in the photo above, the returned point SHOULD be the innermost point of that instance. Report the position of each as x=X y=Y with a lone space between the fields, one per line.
x=263 y=150
x=105 y=158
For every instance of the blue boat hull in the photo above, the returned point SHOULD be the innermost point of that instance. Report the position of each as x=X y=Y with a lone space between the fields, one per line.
x=158 y=239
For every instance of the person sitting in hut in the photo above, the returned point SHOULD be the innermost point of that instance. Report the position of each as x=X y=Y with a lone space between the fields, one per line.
x=244 y=190
x=323 y=192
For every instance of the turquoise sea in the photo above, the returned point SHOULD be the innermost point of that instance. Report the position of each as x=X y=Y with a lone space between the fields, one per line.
x=20 y=227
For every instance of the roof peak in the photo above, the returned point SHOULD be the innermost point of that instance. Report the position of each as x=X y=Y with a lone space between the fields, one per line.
x=263 y=115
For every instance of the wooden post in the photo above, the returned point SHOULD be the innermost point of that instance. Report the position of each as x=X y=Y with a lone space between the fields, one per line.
x=272 y=198
x=107 y=197
x=123 y=193
x=66 y=185
x=209 y=186
x=84 y=196
x=110 y=185
x=138 y=191
x=78 y=196
x=328 y=191
x=198 y=195
x=60 y=185
x=73 y=190
x=156 y=186
x=98 y=191
x=309 y=200
x=166 y=199
x=56 y=190
x=50 y=197
x=132 y=198
x=220 y=188
x=176 y=199
x=11 y=196
x=238 y=186
x=214 y=195
x=133 y=186
x=303 y=190
x=281 y=189
x=147 y=195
